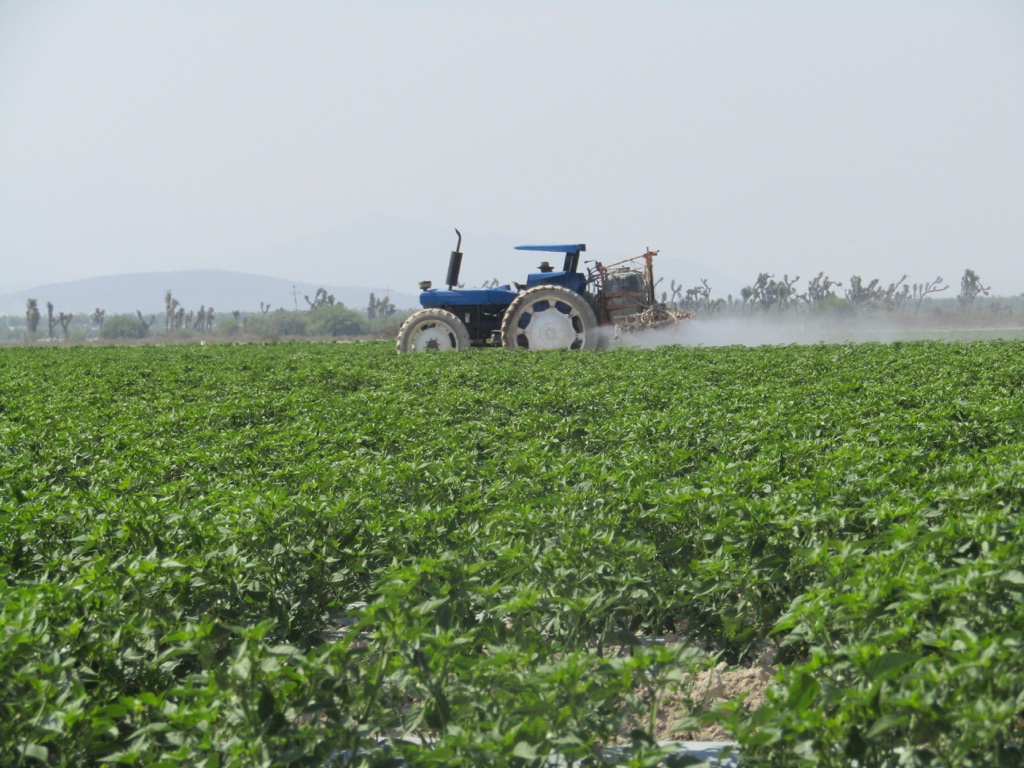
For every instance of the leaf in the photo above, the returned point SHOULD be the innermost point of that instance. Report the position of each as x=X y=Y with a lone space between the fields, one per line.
x=889 y=665
x=267 y=705
x=886 y=723
x=524 y=750
x=36 y=752
x=1014 y=577
x=802 y=692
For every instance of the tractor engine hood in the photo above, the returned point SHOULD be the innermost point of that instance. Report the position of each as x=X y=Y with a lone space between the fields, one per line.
x=438 y=297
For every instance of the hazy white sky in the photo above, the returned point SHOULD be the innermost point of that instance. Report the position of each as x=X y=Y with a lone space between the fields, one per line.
x=870 y=138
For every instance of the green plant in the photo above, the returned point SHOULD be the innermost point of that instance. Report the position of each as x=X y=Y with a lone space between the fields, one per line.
x=123 y=327
x=281 y=554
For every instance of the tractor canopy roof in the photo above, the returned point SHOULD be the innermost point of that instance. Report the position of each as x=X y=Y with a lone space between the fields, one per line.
x=574 y=248
x=572 y=254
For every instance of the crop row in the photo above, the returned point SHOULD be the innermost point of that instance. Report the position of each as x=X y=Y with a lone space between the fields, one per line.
x=300 y=554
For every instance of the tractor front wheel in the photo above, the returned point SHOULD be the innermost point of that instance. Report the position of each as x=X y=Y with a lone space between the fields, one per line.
x=549 y=317
x=433 y=329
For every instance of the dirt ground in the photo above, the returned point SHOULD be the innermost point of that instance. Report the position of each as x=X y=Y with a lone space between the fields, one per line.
x=711 y=687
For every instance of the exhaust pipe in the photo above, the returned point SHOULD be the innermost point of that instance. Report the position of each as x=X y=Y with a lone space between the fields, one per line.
x=455 y=264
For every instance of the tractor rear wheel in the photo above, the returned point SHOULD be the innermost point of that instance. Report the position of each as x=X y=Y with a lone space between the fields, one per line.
x=433 y=329
x=549 y=317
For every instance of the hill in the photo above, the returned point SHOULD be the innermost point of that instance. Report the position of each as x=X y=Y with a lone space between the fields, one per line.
x=224 y=291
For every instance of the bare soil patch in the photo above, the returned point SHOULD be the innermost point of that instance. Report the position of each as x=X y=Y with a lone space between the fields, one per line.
x=710 y=688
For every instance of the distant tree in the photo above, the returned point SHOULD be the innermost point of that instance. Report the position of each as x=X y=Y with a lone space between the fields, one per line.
x=320 y=299
x=200 y=322
x=677 y=295
x=696 y=299
x=924 y=289
x=768 y=292
x=171 y=305
x=382 y=307
x=784 y=291
x=874 y=296
x=65 y=319
x=145 y=323
x=861 y=295
x=755 y=292
x=970 y=288
x=898 y=297
x=32 y=316
x=50 y=319
x=819 y=288
x=264 y=308
x=746 y=294
x=98 y=317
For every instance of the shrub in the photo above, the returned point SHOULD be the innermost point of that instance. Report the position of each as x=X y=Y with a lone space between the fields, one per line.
x=279 y=323
x=834 y=306
x=336 y=320
x=123 y=327
x=228 y=327
x=387 y=327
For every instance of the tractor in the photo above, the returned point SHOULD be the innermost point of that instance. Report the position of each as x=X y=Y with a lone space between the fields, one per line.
x=555 y=309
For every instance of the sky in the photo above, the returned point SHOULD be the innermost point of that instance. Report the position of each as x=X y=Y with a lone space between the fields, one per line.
x=788 y=137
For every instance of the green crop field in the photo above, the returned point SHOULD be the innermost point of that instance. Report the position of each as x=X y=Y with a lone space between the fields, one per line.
x=306 y=554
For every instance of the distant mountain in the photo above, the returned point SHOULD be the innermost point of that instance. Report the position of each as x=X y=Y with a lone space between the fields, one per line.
x=224 y=291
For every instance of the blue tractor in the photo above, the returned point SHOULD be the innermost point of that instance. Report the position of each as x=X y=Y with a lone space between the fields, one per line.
x=555 y=309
